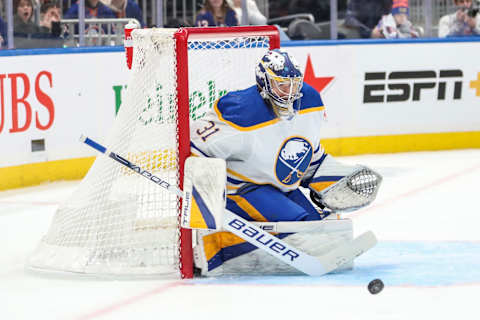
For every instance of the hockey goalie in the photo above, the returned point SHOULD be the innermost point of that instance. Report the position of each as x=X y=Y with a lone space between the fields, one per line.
x=269 y=137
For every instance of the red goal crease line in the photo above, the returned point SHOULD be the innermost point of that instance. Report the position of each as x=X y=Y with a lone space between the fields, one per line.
x=129 y=301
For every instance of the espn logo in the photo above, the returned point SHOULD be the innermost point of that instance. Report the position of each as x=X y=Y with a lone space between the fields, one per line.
x=408 y=85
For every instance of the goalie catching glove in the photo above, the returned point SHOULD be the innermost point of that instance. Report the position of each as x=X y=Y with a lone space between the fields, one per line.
x=343 y=187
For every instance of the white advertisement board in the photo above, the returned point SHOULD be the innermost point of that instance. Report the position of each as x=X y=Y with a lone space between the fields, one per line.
x=389 y=89
x=54 y=98
x=380 y=89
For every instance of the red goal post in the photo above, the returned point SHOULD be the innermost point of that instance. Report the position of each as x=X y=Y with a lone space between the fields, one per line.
x=182 y=37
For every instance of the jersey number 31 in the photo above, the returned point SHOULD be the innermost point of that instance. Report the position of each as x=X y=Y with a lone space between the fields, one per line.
x=207 y=131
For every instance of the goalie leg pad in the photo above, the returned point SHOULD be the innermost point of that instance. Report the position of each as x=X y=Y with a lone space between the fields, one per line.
x=204 y=193
x=222 y=253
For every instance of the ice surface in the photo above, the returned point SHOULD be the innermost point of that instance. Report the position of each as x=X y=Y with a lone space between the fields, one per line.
x=426 y=218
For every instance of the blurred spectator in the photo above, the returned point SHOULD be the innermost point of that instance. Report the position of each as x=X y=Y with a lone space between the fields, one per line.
x=465 y=21
x=255 y=17
x=363 y=15
x=216 y=13
x=319 y=8
x=23 y=19
x=93 y=9
x=26 y=33
x=3 y=33
x=125 y=9
x=50 y=14
x=49 y=35
x=396 y=24
x=66 y=4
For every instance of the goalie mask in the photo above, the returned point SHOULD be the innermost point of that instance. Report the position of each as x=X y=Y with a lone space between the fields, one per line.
x=280 y=80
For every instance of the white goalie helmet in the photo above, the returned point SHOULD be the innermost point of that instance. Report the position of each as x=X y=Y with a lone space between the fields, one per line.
x=280 y=80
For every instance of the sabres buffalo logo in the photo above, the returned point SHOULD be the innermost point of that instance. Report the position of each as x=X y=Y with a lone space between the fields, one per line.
x=293 y=159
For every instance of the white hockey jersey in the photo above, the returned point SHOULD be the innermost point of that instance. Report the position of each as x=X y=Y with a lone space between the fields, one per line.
x=259 y=147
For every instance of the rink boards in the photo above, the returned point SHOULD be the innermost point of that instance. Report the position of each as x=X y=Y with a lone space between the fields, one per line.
x=380 y=97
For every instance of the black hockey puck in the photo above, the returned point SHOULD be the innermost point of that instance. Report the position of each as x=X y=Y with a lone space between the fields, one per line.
x=375 y=286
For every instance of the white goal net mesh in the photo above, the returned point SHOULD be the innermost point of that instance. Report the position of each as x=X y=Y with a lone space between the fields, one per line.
x=117 y=222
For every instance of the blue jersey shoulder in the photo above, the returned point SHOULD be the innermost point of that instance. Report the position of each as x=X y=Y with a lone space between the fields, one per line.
x=244 y=108
x=311 y=98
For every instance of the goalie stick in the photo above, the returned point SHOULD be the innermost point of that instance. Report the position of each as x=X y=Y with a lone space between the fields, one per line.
x=313 y=266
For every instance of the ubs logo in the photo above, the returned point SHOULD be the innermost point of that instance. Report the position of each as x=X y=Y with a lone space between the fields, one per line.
x=408 y=85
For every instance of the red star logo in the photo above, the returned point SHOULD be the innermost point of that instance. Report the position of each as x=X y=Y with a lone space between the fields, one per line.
x=319 y=83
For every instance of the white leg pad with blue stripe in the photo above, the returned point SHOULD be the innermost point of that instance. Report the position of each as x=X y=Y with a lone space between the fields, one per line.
x=204 y=188
x=327 y=235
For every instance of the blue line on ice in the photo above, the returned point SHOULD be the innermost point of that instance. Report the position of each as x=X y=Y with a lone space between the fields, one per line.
x=398 y=263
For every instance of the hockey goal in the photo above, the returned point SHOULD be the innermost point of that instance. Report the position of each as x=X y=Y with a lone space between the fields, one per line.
x=118 y=223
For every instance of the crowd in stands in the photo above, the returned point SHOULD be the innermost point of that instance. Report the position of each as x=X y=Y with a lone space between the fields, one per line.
x=216 y=13
x=228 y=13
x=3 y=32
x=465 y=21
x=395 y=24
x=37 y=23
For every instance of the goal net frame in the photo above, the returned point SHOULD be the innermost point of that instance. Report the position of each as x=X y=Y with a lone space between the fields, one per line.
x=56 y=254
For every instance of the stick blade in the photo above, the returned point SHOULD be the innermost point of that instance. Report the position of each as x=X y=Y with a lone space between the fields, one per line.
x=348 y=251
